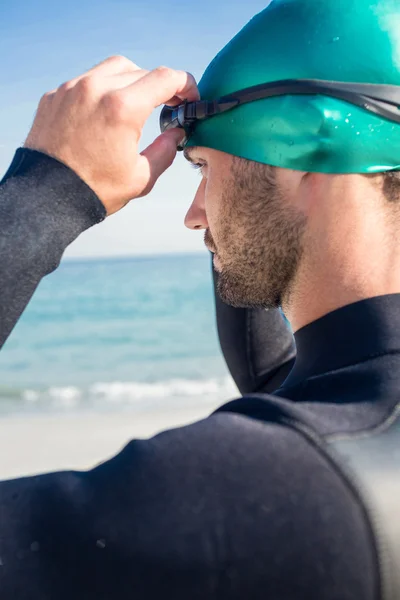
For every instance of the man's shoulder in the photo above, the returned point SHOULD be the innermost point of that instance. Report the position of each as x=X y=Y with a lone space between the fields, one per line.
x=258 y=494
x=231 y=464
x=227 y=503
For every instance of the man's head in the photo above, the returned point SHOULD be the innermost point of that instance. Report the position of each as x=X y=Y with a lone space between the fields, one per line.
x=269 y=227
x=286 y=179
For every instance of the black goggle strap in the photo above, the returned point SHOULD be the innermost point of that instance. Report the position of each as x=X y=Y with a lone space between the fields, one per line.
x=383 y=100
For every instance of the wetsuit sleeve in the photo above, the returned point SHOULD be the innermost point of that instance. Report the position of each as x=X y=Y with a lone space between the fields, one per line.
x=44 y=206
x=257 y=345
x=225 y=509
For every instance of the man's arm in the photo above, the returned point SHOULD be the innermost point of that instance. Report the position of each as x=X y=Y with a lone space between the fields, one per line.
x=44 y=206
x=257 y=345
x=80 y=162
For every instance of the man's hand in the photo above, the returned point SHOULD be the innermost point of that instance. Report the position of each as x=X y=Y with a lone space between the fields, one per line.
x=93 y=124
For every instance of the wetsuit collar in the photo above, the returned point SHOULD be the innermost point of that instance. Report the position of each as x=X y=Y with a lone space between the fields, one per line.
x=347 y=336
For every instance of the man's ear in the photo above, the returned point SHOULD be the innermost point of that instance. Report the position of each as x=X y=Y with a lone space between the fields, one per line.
x=387 y=183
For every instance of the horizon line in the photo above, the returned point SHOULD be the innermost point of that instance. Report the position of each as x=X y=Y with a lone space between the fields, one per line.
x=133 y=256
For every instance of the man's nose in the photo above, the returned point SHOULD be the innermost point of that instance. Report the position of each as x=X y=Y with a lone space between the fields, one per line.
x=196 y=215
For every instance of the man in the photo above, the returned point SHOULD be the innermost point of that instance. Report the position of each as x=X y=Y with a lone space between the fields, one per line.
x=257 y=501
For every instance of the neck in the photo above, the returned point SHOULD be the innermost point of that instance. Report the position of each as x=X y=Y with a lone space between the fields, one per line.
x=350 y=256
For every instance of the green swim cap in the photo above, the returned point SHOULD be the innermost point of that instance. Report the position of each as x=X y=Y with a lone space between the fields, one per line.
x=354 y=41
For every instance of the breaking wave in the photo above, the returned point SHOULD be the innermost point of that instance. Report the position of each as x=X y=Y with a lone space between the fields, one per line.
x=118 y=395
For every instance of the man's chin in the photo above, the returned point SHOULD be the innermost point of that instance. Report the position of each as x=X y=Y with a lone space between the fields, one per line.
x=239 y=294
x=229 y=291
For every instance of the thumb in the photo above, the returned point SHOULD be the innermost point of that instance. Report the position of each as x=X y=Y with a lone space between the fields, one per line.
x=157 y=158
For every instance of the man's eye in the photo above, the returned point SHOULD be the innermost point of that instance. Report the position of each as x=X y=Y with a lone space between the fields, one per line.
x=199 y=167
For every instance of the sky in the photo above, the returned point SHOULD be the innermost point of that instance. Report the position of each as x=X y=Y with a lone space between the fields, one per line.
x=47 y=42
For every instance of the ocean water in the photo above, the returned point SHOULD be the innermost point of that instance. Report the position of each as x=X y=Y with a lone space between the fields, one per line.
x=117 y=334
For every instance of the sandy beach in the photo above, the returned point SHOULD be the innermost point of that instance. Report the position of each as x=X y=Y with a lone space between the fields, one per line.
x=39 y=444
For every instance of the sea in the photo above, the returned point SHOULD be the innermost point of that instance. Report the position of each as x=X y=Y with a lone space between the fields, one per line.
x=117 y=334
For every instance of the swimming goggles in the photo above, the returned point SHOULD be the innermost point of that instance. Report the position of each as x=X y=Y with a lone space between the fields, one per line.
x=382 y=100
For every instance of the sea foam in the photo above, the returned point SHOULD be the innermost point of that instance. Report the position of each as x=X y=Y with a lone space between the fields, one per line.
x=130 y=394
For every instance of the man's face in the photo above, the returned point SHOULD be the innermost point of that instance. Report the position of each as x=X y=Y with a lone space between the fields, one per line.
x=253 y=225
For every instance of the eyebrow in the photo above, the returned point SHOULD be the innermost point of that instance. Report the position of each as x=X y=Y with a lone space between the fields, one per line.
x=187 y=152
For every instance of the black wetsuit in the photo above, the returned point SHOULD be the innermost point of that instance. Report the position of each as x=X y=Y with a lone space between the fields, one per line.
x=228 y=508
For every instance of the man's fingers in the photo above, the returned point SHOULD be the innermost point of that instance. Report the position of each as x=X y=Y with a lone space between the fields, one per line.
x=175 y=101
x=139 y=91
x=157 y=158
x=126 y=78
x=160 y=86
x=113 y=65
x=163 y=84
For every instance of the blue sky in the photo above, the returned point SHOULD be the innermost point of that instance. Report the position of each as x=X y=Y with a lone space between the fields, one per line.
x=44 y=43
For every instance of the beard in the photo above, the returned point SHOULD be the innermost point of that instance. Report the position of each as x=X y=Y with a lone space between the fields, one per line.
x=258 y=239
